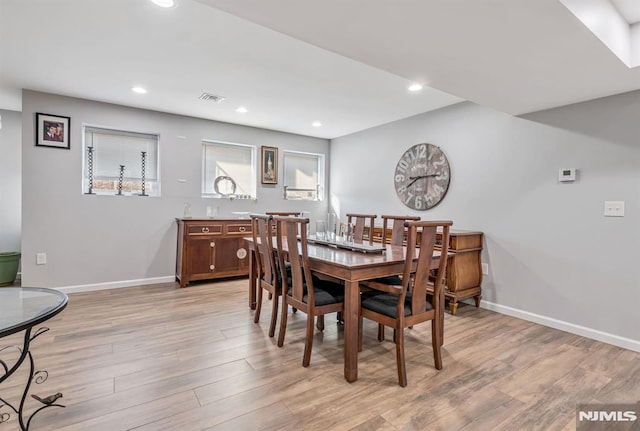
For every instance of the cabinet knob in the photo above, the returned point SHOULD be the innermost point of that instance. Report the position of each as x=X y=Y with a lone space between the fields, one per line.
x=212 y=244
x=205 y=230
x=212 y=267
x=242 y=228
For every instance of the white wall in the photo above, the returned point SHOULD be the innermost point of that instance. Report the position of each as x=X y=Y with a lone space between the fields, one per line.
x=109 y=239
x=10 y=180
x=550 y=250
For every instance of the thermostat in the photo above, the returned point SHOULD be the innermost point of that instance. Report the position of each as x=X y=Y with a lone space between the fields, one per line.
x=566 y=175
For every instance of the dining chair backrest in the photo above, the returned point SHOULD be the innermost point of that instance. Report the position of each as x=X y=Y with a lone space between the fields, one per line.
x=422 y=235
x=262 y=238
x=288 y=231
x=360 y=224
x=396 y=233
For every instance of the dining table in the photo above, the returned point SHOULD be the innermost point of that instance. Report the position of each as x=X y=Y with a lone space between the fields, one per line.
x=352 y=267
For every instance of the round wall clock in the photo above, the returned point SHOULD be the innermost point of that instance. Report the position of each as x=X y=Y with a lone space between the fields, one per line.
x=422 y=176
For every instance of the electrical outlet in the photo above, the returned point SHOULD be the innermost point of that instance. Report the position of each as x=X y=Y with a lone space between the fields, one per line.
x=485 y=269
x=41 y=258
x=614 y=208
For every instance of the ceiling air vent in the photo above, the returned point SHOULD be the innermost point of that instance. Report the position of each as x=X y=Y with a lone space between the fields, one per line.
x=211 y=97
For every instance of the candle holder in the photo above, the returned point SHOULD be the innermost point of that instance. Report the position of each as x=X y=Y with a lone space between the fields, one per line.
x=120 y=180
x=90 y=170
x=142 y=172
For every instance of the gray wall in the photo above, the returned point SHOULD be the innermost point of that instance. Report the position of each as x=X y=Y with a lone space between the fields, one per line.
x=550 y=250
x=10 y=180
x=107 y=239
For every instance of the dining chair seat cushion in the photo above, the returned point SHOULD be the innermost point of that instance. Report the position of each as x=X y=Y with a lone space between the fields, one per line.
x=391 y=279
x=287 y=268
x=288 y=281
x=387 y=303
x=326 y=292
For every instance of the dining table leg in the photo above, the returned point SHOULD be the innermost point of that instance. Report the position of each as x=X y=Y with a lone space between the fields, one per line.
x=351 y=310
x=253 y=276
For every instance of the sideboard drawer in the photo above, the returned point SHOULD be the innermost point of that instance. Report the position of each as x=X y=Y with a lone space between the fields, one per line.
x=243 y=229
x=204 y=229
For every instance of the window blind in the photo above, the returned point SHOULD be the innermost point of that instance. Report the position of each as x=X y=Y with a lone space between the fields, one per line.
x=230 y=160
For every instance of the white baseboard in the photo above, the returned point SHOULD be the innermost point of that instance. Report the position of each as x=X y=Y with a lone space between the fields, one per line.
x=116 y=284
x=594 y=334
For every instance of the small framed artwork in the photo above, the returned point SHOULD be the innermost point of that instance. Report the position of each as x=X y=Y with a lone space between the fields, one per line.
x=53 y=131
x=269 y=165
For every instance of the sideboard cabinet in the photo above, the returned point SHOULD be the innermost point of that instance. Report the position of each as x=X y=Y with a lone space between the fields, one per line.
x=464 y=269
x=211 y=248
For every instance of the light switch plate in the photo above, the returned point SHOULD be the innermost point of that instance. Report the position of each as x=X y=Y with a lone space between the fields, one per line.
x=614 y=208
x=41 y=258
x=485 y=268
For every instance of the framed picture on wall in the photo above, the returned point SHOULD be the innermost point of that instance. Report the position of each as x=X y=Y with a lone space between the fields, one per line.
x=269 y=165
x=53 y=131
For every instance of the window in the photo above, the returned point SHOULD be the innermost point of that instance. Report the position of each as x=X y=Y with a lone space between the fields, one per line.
x=114 y=162
x=228 y=170
x=303 y=176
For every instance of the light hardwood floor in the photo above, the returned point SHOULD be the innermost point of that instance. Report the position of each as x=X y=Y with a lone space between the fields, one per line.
x=162 y=358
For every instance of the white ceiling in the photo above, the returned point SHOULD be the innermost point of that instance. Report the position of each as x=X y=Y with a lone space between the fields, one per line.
x=629 y=9
x=344 y=63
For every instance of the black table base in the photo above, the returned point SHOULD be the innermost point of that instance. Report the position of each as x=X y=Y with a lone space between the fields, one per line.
x=37 y=377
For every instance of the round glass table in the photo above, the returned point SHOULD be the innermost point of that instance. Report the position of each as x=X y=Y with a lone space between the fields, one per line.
x=21 y=309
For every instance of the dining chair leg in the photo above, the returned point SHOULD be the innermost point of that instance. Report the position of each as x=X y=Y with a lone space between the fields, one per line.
x=308 y=342
x=360 y=333
x=283 y=321
x=274 y=316
x=320 y=324
x=256 y=316
x=436 y=343
x=441 y=321
x=402 y=370
x=380 y=332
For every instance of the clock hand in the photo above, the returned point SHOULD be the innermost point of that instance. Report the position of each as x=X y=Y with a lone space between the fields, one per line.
x=423 y=176
x=414 y=180
x=419 y=177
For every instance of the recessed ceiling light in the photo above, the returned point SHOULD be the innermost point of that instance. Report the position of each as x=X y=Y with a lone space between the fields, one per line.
x=415 y=87
x=242 y=110
x=164 y=3
x=316 y=124
x=138 y=90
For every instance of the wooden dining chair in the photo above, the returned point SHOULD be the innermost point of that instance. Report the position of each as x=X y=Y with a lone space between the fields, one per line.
x=394 y=232
x=304 y=291
x=269 y=278
x=405 y=305
x=286 y=214
x=360 y=225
